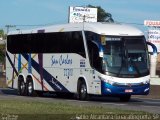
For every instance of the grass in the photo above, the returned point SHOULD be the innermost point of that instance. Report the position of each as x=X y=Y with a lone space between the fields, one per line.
x=38 y=110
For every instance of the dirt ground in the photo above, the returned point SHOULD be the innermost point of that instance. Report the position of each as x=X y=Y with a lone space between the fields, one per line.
x=158 y=65
x=2 y=81
x=158 y=69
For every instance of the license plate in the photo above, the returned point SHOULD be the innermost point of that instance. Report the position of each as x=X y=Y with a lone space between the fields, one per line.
x=128 y=91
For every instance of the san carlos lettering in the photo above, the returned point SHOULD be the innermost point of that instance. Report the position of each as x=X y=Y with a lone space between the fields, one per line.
x=62 y=60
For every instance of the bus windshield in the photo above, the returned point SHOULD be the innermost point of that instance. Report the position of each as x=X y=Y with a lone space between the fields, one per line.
x=125 y=56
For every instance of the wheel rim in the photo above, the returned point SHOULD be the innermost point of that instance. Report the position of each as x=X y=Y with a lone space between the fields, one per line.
x=83 y=91
x=22 y=86
x=30 y=88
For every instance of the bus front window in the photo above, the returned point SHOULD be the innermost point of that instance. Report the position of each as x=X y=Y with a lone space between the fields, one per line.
x=125 y=57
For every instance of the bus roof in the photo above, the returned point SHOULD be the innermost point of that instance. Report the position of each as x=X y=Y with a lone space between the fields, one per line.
x=100 y=28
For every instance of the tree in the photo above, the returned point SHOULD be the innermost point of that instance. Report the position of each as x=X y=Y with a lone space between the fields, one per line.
x=2 y=47
x=2 y=53
x=102 y=15
x=1 y=33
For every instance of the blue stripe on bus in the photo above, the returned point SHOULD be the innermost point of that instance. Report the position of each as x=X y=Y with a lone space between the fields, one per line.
x=19 y=62
x=40 y=60
x=10 y=61
x=29 y=64
x=55 y=84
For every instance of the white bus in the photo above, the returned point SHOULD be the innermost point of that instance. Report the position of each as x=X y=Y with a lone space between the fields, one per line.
x=81 y=58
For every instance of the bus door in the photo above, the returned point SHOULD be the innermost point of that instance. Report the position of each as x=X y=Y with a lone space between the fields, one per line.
x=96 y=65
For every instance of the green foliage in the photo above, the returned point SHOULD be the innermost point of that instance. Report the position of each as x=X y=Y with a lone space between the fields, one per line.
x=102 y=15
x=2 y=53
x=1 y=33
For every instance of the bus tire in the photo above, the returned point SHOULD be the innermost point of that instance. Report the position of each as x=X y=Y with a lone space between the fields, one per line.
x=125 y=98
x=82 y=91
x=30 y=87
x=21 y=86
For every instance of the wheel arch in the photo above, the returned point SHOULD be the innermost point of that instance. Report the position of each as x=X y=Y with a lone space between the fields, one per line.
x=82 y=79
x=22 y=76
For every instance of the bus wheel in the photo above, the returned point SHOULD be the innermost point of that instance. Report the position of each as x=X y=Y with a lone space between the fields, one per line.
x=125 y=98
x=82 y=92
x=30 y=88
x=21 y=86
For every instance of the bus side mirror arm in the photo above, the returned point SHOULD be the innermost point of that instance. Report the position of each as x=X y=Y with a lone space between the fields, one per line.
x=153 y=60
x=153 y=47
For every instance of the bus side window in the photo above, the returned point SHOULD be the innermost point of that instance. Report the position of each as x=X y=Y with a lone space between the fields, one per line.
x=95 y=60
x=93 y=51
x=77 y=45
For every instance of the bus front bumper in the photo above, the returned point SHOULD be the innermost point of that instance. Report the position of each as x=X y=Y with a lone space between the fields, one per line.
x=108 y=89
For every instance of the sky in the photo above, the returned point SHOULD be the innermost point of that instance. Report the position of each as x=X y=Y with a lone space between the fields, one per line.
x=40 y=12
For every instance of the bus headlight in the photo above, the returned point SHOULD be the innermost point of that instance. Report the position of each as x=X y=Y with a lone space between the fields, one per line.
x=146 y=81
x=107 y=81
x=110 y=82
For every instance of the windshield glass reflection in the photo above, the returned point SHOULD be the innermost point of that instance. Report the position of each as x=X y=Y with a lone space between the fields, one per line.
x=125 y=57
